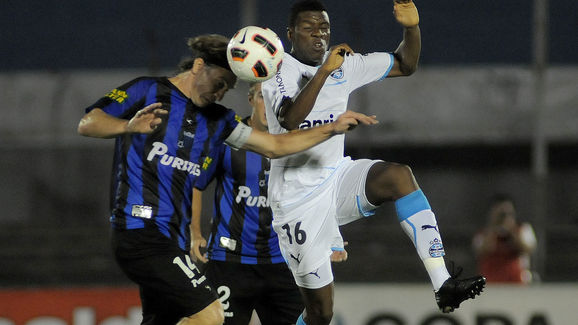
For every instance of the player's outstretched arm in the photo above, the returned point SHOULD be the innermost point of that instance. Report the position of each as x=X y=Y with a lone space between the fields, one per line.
x=99 y=124
x=279 y=145
x=197 y=239
x=407 y=53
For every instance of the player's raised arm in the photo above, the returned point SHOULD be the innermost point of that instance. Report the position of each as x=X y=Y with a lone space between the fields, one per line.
x=279 y=145
x=294 y=110
x=407 y=53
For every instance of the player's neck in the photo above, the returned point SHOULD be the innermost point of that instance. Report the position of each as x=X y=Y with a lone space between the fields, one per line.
x=182 y=82
x=304 y=60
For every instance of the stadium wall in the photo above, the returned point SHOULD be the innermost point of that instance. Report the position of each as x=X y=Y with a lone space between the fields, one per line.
x=438 y=105
x=399 y=304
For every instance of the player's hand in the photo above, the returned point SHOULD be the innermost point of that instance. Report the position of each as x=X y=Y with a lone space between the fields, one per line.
x=405 y=13
x=339 y=255
x=350 y=119
x=196 y=244
x=147 y=119
x=336 y=57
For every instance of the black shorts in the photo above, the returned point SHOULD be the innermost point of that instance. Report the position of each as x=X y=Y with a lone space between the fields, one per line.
x=267 y=288
x=171 y=286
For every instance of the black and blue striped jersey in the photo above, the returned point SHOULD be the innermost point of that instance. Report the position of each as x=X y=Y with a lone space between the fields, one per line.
x=153 y=174
x=241 y=228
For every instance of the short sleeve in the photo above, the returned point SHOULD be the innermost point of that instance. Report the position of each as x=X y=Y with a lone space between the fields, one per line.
x=122 y=101
x=367 y=68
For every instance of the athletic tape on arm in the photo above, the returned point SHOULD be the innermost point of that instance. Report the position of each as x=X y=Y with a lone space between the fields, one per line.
x=239 y=136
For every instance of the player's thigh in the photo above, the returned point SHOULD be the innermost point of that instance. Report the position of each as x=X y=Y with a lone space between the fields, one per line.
x=318 y=300
x=352 y=203
x=171 y=285
x=307 y=232
x=237 y=287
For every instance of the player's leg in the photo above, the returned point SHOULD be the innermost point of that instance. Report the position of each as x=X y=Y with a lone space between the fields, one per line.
x=306 y=232
x=172 y=287
x=318 y=306
x=396 y=182
x=317 y=295
x=365 y=184
x=237 y=286
x=280 y=301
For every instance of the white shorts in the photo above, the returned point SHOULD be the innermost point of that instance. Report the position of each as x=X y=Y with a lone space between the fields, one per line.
x=308 y=229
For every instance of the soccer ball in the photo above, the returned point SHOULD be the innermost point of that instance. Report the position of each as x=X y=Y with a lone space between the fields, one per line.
x=255 y=53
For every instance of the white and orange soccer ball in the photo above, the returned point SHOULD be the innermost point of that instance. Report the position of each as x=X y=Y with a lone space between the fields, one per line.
x=255 y=53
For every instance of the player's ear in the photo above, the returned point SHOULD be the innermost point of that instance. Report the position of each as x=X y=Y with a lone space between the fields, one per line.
x=197 y=65
x=289 y=33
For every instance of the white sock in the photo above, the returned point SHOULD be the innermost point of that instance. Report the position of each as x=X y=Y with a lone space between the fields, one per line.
x=419 y=223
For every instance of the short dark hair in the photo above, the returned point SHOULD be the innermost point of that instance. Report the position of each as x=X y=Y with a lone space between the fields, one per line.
x=212 y=48
x=304 y=5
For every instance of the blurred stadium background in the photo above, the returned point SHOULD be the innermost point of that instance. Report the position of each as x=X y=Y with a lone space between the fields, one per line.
x=493 y=108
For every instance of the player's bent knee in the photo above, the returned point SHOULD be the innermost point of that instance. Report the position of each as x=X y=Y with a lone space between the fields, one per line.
x=389 y=181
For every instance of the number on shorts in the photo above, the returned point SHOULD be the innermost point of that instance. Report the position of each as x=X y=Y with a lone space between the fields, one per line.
x=224 y=294
x=190 y=270
x=300 y=235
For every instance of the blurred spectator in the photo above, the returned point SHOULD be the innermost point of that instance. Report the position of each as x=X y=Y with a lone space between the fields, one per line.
x=504 y=246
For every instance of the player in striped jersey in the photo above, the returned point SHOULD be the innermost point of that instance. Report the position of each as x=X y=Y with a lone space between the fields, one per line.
x=244 y=261
x=159 y=152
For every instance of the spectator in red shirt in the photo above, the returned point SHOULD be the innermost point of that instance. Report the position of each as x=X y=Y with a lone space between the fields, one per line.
x=504 y=246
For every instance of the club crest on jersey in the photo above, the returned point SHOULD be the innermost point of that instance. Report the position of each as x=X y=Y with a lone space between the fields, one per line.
x=337 y=74
x=311 y=123
x=160 y=149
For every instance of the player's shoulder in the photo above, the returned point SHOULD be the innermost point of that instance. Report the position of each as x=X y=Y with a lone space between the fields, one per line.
x=139 y=83
x=369 y=55
x=290 y=63
x=289 y=70
x=147 y=80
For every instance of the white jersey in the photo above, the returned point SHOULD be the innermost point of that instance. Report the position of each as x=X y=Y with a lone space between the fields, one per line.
x=296 y=176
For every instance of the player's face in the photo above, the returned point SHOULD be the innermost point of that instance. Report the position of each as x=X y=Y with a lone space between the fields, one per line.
x=258 y=118
x=310 y=36
x=211 y=85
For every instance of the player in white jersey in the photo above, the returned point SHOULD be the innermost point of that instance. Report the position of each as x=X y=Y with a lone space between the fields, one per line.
x=314 y=192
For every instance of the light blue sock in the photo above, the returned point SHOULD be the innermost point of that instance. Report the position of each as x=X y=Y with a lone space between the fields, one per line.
x=300 y=320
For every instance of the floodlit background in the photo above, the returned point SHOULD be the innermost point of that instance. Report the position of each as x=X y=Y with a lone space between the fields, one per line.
x=492 y=108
